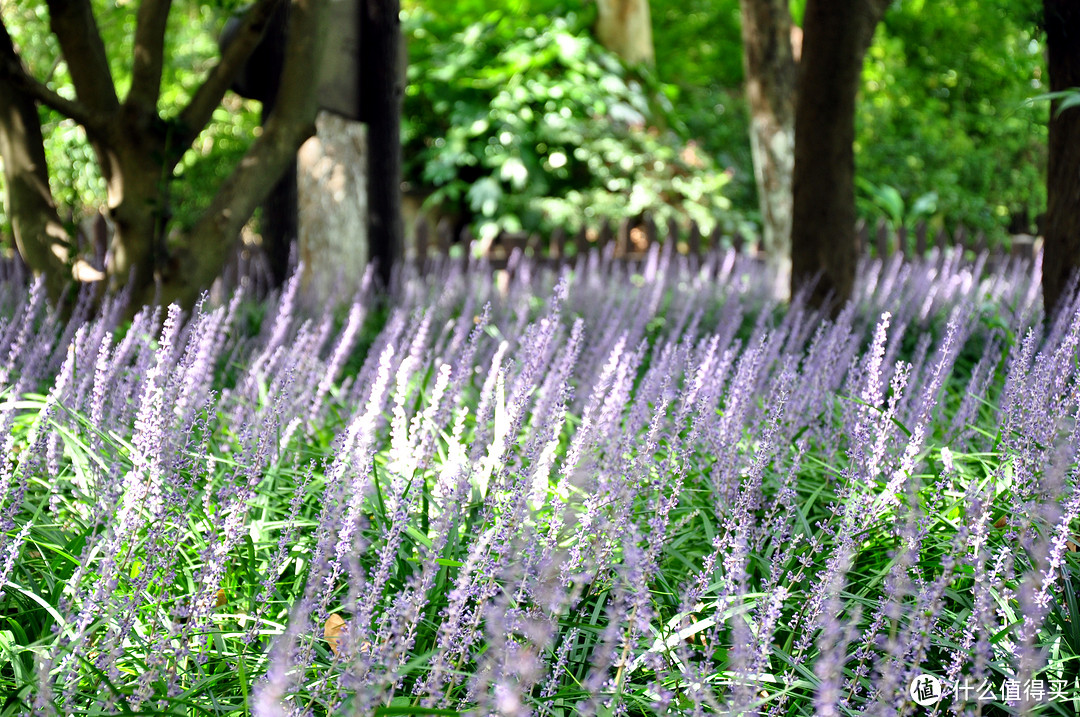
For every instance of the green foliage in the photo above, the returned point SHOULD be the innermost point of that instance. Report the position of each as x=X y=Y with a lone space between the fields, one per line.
x=887 y=200
x=531 y=124
x=708 y=60
x=944 y=110
x=708 y=73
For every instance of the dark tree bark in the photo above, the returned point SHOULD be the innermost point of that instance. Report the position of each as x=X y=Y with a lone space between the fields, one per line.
x=149 y=56
x=769 y=61
x=836 y=35
x=280 y=226
x=1061 y=253
x=260 y=79
x=280 y=223
x=381 y=93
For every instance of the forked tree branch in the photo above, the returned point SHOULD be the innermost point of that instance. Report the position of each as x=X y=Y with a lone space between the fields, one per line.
x=201 y=108
x=149 y=54
x=13 y=71
x=72 y=21
x=292 y=121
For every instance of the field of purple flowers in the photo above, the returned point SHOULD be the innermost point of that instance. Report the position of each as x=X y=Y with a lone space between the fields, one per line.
x=589 y=493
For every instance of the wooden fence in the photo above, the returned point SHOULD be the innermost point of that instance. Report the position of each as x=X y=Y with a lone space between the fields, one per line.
x=630 y=239
x=627 y=241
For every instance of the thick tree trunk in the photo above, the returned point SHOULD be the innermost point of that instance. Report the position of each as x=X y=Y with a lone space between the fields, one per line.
x=280 y=225
x=625 y=28
x=137 y=149
x=1061 y=253
x=137 y=183
x=769 y=62
x=836 y=35
x=381 y=92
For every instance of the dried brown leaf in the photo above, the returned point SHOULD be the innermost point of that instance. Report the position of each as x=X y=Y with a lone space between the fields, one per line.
x=332 y=631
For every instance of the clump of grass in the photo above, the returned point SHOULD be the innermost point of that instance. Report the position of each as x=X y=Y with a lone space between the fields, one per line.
x=577 y=495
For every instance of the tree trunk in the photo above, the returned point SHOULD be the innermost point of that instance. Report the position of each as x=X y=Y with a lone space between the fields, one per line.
x=381 y=92
x=40 y=236
x=280 y=222
x=138 y=150
x=769 y=62
x=132 y=162
x=625 y=28
x=279 y=225
x=333 y=204
x=1061 y=252
x=836 y=35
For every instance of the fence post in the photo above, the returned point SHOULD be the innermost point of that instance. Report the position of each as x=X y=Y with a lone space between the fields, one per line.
x=862 y=238
x=650 y=229
x=694 y=239
x=557 y=247
x=423 y=229
x=941 y=239
x=980 y=242
x=738 y=242
x=882 y=240
x=920 y=239
x=960 y=238
x=532 y=246
x=716 y=237
x=604 y=238
x=467 y=239
x=673 y=232
x=622 y=237
x=580 y=243
x=444 y=236
x=901 y=241
x=1023 y=246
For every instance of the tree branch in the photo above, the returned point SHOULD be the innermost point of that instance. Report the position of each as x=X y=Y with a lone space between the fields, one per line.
x=72 y=21
x=149 y=54
x=72 y=109
x=871 y=14
x=292 y=121
x=198 y=112
x=13 y=71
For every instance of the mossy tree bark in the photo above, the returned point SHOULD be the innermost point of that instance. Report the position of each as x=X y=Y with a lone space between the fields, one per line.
x=769 y=62
x=40 y=236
